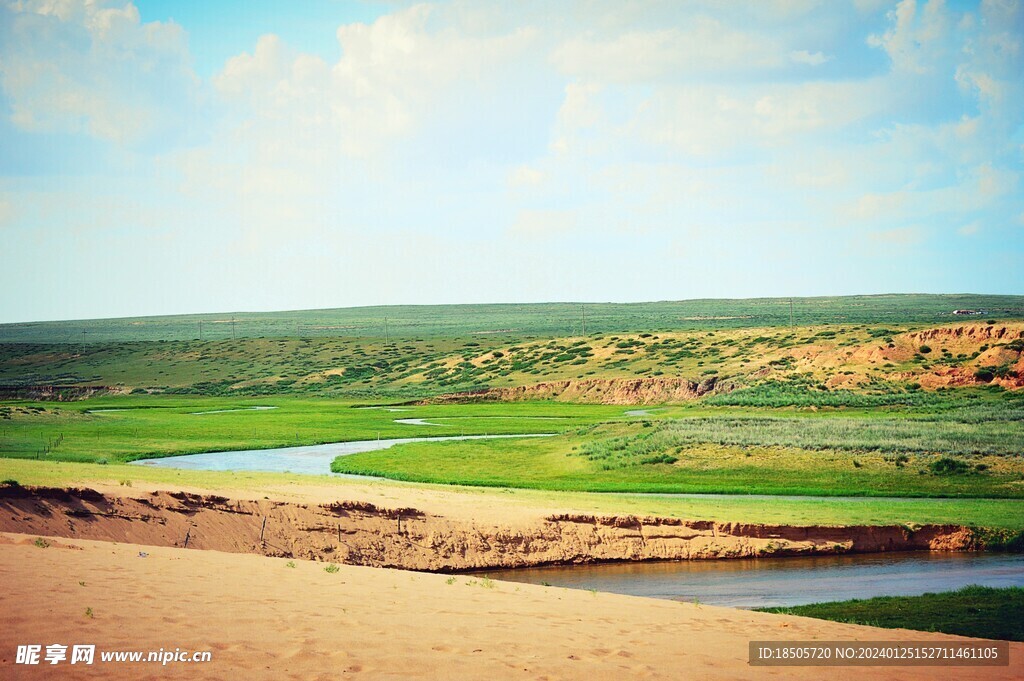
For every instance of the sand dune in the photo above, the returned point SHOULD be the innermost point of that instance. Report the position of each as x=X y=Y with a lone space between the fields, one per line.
x=263 y=619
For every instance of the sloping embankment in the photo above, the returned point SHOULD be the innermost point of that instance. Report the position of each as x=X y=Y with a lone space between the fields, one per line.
x=625 y=391
x=360 y=533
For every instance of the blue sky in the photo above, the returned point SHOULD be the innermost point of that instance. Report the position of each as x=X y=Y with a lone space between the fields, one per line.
x=169 y=157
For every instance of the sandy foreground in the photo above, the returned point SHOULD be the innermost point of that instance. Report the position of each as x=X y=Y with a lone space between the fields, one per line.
x=263 y=619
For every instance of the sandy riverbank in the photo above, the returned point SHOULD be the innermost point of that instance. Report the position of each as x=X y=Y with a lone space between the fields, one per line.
x=357 y=532
x=263 y=619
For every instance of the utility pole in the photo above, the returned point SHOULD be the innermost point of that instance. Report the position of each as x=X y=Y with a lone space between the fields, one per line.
x=200 y=329
x=232 y=328
x=387 y=339
x=583 y=309
x=791 y=312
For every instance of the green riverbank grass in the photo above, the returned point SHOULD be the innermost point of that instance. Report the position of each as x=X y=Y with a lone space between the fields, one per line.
x=564 y=463
x=976 y=611
x=155 y=426
x=1002 y=514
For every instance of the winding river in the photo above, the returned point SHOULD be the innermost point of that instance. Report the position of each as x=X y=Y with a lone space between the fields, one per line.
x=308 y=460
x=743 y=583
x=783 y=582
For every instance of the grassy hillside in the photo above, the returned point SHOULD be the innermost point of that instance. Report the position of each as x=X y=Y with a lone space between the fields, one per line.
x=784 y=363
x=880 y=396
x=517 y=321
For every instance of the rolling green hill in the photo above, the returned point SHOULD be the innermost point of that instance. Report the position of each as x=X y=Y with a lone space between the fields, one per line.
x=518 y=320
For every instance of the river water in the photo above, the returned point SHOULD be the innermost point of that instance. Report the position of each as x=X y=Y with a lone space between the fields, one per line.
x=772 y=582
x=743 y=583
x=308 y=460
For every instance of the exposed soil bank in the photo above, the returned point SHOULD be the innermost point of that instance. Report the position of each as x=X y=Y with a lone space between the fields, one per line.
x=626 y=391
x=58 y=393
x=360 y=533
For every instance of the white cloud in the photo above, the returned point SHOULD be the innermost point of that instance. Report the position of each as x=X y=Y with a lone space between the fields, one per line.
x=543 y=224
x=6 y=212
x=969 y=229
x=916 y=38
x=525 y=176
x=705 y=46
x=93 y=67
x=899 y=236
x=392 y=76
x=468 y=128
x=809 y=58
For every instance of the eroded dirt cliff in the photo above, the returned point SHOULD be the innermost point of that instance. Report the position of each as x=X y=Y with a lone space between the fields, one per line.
x=360 y=533
x=625 y=391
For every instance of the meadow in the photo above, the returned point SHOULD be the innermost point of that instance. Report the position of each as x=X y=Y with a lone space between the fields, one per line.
x=562 y=463
x=1002 y=517
x=126 y=428
x=873 y=397
x=976 y=611
x=517 y=320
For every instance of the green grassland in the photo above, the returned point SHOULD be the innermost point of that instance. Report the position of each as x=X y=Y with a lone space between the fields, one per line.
x=1003 y=515
x=976 y=611
x=835 y=405
x=160 y=425
x=724 y=455
x=769 y=366
x=519 y=320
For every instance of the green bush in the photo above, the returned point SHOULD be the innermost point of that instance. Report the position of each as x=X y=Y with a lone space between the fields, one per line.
x=949 y=466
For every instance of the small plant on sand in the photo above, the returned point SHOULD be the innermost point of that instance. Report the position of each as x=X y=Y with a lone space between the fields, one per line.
x=41 y=543
x=487 y=583
x=126 y=483
x=332 y=568
x=450 y=581
x=290 y=564
x=81 y=584
x=88 y=613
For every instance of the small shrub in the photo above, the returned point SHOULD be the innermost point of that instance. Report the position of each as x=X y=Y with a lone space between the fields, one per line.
x=41 y=543
x=949 y=466
x=984 y=375
x=290 y=564
x=331 y=569
x=924 y=349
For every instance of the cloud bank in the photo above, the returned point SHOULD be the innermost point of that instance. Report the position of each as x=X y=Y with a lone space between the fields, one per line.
x=464 y=152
